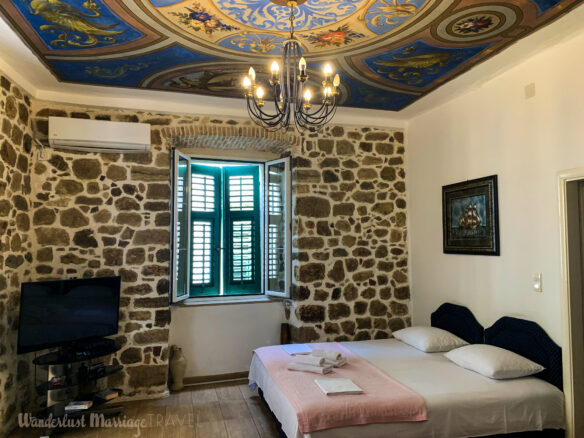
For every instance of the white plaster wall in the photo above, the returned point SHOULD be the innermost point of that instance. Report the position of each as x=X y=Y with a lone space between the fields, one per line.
x=496 y=130
x=220 y=339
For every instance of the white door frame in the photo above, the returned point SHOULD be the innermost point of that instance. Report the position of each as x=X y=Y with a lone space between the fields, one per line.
x=565 y=177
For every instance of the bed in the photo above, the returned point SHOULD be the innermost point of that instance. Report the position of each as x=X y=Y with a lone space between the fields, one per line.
x=460 y=403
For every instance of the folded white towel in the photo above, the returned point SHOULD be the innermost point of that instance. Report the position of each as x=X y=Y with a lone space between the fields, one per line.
x=292 y=366
x=328 y=354
x=336 y=363
x=310 y=360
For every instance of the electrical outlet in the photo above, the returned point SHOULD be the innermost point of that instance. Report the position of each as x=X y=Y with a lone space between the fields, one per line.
x=537 y=282
x=529 y=91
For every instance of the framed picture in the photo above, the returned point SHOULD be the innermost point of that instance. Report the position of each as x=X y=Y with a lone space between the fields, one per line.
x=470 y=217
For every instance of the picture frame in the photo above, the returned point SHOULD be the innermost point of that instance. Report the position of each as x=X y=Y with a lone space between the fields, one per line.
x=470 y=217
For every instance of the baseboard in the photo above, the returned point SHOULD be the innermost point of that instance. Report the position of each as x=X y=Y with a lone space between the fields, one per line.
x=197 y=380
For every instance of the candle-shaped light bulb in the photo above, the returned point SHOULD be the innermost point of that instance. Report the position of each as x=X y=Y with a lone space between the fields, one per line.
x=307 y=95
x=327 y=70
x=337 y=80
x=252 y=74
x=260 y=93
x=328 y=91
x=246 y=82
x=302 y=65
x=275 y=68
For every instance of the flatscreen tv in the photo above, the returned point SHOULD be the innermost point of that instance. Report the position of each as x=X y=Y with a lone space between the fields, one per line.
x=61 y=313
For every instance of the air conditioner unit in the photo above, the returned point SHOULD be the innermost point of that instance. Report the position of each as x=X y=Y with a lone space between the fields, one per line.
x=98 y=135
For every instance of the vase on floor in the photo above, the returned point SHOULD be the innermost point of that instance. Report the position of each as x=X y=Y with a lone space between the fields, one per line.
x=178 y=366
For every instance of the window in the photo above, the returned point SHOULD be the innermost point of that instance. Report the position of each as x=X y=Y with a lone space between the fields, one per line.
x=231 y=228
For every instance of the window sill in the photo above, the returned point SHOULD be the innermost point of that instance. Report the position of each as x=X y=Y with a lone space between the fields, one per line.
x=213 y=302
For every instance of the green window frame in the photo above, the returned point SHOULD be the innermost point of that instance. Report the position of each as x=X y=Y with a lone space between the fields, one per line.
x=242 y=222
x=220 y=229
x=205 y=227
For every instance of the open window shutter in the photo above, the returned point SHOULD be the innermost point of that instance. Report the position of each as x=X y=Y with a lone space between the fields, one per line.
x=278 y=244
x=205 y=230
x=242 y=230
x=180 y=226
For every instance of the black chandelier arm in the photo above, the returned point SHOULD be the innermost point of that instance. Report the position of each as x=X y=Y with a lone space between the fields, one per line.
x=277 y=90
x=261 y=114
x=267 y=121
x=315 y=120
x=321 y=113
x=272 y=123
x=323 y=107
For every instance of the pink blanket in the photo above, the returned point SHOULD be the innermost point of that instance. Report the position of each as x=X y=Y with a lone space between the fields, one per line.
x=384 y=400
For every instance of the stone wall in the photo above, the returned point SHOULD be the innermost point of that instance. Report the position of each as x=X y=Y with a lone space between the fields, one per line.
x=108 y=214
x=97 y=215
x=16 y=256
x=350 y=236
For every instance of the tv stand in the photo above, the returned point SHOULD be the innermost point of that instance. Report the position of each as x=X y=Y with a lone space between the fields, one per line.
x=68 y=378
x=78 y=352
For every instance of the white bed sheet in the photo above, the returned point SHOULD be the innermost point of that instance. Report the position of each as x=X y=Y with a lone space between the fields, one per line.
x=461 y=403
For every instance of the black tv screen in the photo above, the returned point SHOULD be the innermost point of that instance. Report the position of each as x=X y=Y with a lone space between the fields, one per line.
x=58 y=313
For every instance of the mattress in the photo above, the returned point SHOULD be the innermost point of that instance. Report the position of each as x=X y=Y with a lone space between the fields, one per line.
x=460 y=403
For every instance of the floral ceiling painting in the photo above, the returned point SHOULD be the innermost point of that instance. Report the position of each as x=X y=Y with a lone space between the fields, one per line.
x=389 y=53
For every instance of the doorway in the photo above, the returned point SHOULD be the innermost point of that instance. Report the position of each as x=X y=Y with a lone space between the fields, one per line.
x=571 y=186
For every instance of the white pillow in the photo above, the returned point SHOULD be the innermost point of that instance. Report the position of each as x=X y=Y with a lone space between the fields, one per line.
x=493 y=362
x=429 y=339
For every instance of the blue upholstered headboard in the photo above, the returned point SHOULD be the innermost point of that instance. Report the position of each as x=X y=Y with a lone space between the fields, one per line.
x=459 y=321
x=529 y=340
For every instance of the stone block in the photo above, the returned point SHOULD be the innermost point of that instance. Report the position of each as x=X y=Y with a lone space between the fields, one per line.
x=73 y=218
x=311 y=272
x=86 y=168
x=52 y=236
x=311 y=313
x=303 y=334
x=131 y=355
x=154 y=336
x=312 y=206
x=147 y=376
x=151 y=237
x=338 y=311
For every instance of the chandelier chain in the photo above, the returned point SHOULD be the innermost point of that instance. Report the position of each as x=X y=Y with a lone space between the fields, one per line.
x=291 y=96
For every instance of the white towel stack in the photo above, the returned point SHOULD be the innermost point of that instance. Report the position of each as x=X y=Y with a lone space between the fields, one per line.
x=319 y=362
x=311 y=364
x=295 y=366
x=331 y=358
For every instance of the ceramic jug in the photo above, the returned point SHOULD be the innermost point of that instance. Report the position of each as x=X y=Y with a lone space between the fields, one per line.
x=178 y=365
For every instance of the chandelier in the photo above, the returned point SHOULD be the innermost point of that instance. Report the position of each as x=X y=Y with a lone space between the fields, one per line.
x=289 y=90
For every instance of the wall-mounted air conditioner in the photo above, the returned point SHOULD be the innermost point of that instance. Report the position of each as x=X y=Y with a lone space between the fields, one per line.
x=98 y=135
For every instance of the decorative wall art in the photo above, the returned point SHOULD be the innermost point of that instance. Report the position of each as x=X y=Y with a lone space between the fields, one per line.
x=470 y=217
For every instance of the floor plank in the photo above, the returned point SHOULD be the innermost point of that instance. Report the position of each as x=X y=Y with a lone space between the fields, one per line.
x=262 y=417
x=207 y=412
x=228 y=392
x=234 y=409
x=204 y=395
x=241 y=428
x=179 y=432
x=213 y=429
x=246 y=391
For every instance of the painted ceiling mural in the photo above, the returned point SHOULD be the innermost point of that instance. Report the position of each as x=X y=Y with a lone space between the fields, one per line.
x=389 y=53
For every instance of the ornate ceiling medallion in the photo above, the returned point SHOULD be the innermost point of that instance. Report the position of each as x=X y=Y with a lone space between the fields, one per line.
x=477 y=23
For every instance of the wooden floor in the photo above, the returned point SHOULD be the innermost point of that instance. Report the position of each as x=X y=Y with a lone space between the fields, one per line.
x=228 y=410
